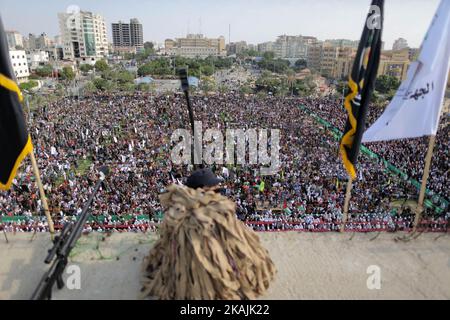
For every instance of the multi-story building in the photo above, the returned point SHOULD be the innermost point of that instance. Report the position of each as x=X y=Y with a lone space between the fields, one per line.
x=344 y=63
x=343 y=43
x=136 y=34
x=196 y=45
x=40 y=42
x=314 y=56
x=121 y=34
x=15 y=40
x=237 y=47
x=400 y=44
x=266 y=47
x=43 y=42
x=36 y=58
x=395 y=63
x=331 y=59
x=84 y=36
x=19 y=64
x=289 y=47
x=128 y=36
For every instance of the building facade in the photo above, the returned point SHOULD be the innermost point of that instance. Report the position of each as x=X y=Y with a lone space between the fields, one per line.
x=136 y=34
x=196 y=46
x=237 y=47
x=19 y=64
x=128 y=35
x=84 y=36
x=266 y=47
x=343 y=43
x=395 y=64
x=40 y=42
x=36 y=59
x=289 y=47
x=15 y=40
x=332 y=59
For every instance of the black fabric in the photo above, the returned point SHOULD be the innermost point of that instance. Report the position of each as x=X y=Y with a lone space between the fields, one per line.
x=370 y=39
x=13 y=132
x=202 y=178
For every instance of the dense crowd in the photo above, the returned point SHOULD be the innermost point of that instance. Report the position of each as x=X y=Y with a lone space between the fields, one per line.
x=131 y=134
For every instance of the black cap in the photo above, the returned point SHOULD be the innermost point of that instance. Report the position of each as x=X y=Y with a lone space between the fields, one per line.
x=202 y=178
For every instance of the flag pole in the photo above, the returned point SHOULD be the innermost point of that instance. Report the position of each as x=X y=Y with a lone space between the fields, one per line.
x=42 y=194
x=348 y=195
x=426 y=174
x=423 y=188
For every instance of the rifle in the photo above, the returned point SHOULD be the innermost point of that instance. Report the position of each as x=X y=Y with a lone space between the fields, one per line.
x=63 y=245
x=183 y=74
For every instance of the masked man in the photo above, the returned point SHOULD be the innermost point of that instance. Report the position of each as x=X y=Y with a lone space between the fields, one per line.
x=204 y=251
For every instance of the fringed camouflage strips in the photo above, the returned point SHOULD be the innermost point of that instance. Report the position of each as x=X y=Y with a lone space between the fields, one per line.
x=204 y=251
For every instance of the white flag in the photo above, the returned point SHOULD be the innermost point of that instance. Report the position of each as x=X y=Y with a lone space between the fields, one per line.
x=415 y=110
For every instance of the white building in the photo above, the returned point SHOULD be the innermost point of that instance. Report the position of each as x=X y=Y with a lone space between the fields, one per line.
x=19 y=64
x=196 y=46
x=15 y=39
x=289 y=47
x=37 y=58
x=400 y=44
x=84 y=36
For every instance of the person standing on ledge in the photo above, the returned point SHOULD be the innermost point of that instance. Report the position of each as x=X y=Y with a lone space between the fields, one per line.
x=204 y=251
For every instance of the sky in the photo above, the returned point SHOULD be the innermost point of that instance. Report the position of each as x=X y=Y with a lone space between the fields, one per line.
x=254 y=21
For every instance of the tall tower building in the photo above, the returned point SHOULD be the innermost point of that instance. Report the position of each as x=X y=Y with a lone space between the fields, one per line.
x=121 y=34
x=15 y=39
x=128 y=35
x=83 y=35
x=137 y=34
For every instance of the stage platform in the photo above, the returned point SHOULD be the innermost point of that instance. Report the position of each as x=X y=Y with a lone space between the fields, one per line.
x=310 y=266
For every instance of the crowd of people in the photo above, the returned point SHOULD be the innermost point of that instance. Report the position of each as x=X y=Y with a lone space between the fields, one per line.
x=131 y=133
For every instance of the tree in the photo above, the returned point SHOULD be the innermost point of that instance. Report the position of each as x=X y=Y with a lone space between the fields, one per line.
x=122 y=77
x=341 y=86
x=156 y=67
x=386 y=84
x=245 y=89
x=208 y=85
x=207 y=70
x=67 y=73
x=304 y=87
x=85 y=68
x=300 y=64
x=45 y=71
x=102 y=84
x=269 y=55
x=101 y=65
x=276 y=66
x=143 y=87
x=148 y=45
x=28 y=85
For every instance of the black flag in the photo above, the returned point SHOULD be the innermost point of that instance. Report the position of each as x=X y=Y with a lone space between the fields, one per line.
x=361 y=83
x=15 y=142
